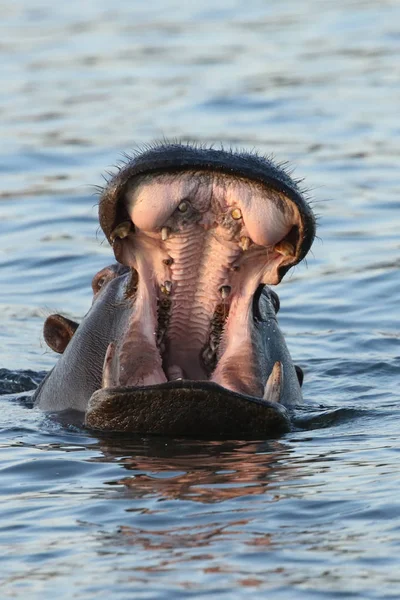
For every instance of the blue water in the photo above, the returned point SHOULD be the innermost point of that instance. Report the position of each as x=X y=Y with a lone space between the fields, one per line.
x=315 y=514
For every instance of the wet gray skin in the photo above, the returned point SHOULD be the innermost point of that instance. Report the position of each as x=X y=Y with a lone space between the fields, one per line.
x=182 y=336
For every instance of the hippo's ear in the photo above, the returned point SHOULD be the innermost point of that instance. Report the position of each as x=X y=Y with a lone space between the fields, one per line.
x=58 y=331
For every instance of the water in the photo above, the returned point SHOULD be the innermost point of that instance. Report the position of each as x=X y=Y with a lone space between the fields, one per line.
x=314 y=514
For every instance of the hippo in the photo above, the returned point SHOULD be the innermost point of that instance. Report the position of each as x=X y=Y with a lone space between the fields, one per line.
x=182 y=337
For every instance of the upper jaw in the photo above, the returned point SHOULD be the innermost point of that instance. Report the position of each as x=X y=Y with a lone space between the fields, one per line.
x=205 y=228
x=178 y=158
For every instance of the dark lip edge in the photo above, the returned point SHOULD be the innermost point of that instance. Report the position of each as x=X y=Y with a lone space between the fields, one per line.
x=192 y=386
x=283 y=413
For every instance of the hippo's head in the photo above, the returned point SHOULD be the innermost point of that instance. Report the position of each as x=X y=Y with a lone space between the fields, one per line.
x=182 y=336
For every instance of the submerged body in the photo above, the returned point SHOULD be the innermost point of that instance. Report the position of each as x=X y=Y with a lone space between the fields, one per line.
x=182 y=336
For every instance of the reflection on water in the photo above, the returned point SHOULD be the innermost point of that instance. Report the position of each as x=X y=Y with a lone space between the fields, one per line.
x=314 y=514
x=203 y=473
x=161 y=517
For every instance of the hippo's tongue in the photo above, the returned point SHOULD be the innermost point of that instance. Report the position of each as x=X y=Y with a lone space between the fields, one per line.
x=201 y=243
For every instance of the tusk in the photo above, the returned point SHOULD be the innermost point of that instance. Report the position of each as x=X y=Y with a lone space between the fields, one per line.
x=285 y=248
x=273 y=387
x=121 y=231
x=108 y=380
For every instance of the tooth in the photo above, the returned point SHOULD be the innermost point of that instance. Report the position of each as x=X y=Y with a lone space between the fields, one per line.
x=285 y=248
x=225 y=291
x=175 y=373
x=183 y=206
x=236 y=214
x=165 y=231
x=244 y=243
x=273 y=387
x=167 y=287
x=121 y=231
x=109 y=379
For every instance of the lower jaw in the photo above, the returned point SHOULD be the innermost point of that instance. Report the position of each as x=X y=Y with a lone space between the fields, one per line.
x=201 y=409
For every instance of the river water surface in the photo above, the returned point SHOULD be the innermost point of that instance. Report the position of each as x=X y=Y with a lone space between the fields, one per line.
x=314 y=514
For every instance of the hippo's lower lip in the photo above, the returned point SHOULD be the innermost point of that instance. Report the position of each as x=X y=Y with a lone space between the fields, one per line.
x=185 y=408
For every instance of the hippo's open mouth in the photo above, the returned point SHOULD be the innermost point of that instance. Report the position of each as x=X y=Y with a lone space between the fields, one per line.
x=200 y=231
